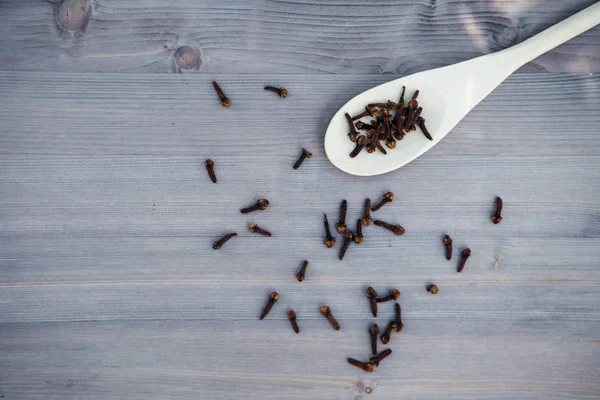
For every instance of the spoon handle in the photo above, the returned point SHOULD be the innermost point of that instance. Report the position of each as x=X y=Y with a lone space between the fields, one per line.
x=552 y=37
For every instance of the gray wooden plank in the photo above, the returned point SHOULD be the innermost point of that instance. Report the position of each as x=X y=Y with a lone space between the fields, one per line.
x=180 y=114
x=350 y=36
x=109 y=287
x=462 y=358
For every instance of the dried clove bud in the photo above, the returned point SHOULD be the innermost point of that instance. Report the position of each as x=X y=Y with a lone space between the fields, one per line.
x=329 y=240
x=326 y=311
x=292 y=317
x=300 y=275
x=394 y=294
x=273 y=297
x=433 y=289
x=372 y=296
x=448 y=244
x=466 y=253
x=497 y=218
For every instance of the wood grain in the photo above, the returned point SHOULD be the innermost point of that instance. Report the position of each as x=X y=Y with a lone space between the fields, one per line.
x=109 y=287
x=350 y=36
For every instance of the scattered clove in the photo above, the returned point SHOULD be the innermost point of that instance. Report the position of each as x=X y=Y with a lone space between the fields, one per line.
x=281 y=92
x=353 y=134
x=497 y=218
x=292 y=317
x=372 y=296
x=385 y=338
x=273 y=297
x=433 y=289
x=466 y=253
x=374 y=331
x=261 y=204
x=305 y=154
x=348 y=237
x=362 y=126
x=329 y=240
x=217 y=245
x=225 y=102
x=448 y=243
x=210 y=167
x=387 y=198
x=300 y=275
x=366 y=219
x=375 y=360
x=341 y=225
x=398 y=326
x=358 y=235
x=367 y=367
x=397 y=229
x=257 y=229
x=394 y=294
x=369 y=111
x=326 y=311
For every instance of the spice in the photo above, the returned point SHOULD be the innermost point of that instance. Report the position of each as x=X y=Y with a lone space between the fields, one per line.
x=387 y=198
x=358 y=236
x=367 y=367
x=217 y=245
x=398 y=326
x=348 y=237
x=375 y=360
x=366 y=219
x=372 y=296
x=397 y=229
x=448 y=243
x=210 y=167
x=257 y=229
x=385 y=338
x=394 y=294
x=329 y=240
x=392 y=121
x=497 y=218
x=433 y=289
x=466 y=253
x=300 y=275
x=341 y=225
x=326 y=311
x=281 y=92
x=225 y=102
x=374 y=331
x=292 y=317
x=261 y=204
x=361 y=141
x=305 y=154
x=273 y=297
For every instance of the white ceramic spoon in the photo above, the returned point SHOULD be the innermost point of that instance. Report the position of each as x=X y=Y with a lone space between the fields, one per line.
x=446 y=94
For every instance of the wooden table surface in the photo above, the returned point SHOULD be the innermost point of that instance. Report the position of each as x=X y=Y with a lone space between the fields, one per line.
x=109 y=287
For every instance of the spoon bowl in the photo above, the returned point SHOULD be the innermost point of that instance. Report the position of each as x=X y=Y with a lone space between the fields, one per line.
x=446 y=94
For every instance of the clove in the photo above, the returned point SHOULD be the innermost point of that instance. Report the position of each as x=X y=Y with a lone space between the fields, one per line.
x=385 y=338
x=217 y=245
x=497 y=218
x=225 y=102
x=466 y=253
x=375 y=360
x=210 y=167
x=394 y=294
x=341 y=225
x=433 y=289
x=398 y=325
x=367 y=367
x=329 y=240
x=358 y=235
x=353 y=134
x=348 y=237
x=366 y=219
x=397 y=229
x=387 y=198
x=273 y=297
x=448 y=244
x=292 y=317
x=281 y=92
x=305 y=154
x=361 y=141
x=326 y=312
x=374 y=331
x=300 y=275
x=257 y=229
x=372 y=296
x=261 y=204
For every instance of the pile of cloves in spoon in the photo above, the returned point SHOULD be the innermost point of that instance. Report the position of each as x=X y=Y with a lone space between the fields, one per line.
x=391 y=122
